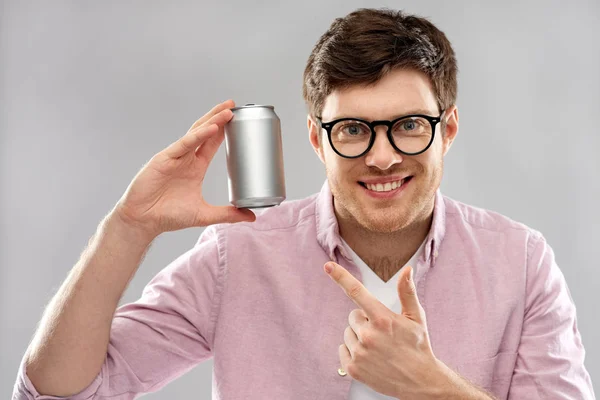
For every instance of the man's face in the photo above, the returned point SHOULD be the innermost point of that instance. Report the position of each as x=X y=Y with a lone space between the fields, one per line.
x=401 y=92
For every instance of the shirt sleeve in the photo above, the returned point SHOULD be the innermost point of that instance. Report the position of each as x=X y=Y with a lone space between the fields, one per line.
x=550 y=360
x=162 y=335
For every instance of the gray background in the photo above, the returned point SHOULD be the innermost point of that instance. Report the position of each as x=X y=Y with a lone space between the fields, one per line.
x=91 y=90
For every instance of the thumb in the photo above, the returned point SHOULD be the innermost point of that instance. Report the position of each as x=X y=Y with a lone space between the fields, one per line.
x=407 y=292
x=227 y=214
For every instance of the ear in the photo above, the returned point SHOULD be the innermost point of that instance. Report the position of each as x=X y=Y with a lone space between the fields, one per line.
x=314 y=136
x=449 y=134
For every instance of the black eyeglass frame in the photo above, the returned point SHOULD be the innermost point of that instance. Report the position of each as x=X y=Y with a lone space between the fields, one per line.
x=433 y=121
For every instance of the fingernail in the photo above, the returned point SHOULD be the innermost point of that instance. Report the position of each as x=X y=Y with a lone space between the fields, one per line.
x=328 y=268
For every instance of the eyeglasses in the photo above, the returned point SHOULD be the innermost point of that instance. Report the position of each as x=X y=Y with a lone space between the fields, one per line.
x=410 y=134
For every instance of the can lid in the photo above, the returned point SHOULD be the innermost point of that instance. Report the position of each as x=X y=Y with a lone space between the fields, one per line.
x=251 y=105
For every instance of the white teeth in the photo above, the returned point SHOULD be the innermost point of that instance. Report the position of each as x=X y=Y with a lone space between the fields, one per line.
x=379 y=187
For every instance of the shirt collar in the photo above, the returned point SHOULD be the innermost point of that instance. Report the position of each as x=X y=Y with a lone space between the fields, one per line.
x=328 y=233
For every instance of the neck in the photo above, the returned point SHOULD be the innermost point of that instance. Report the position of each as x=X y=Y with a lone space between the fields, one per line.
x=386 y=253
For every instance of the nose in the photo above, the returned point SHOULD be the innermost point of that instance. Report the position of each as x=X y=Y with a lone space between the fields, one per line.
x=382 y=155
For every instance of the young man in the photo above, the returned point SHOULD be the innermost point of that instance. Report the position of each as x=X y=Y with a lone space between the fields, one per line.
x=426 y=297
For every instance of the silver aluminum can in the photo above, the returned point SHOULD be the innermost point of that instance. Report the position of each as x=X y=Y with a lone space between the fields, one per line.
x=254 y=157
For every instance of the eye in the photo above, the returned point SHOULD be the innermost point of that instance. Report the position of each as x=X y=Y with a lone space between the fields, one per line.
x=408 y=125
x=412 y=125
x=351 y=128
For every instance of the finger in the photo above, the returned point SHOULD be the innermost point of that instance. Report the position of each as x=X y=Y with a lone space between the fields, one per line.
x=351 y=340
x=407 y=292
x=215 y=110
x=357 y=320
x=197 y=136
x=345 y=357
x=211 y=145
x=190 y=141
x=221 y=118
x=356 y=291
x=209 y=148
x=227 y=214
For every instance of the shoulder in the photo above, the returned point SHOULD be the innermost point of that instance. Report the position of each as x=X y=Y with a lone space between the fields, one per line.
x=496 y=235
x=288 y=216
x=466 y=216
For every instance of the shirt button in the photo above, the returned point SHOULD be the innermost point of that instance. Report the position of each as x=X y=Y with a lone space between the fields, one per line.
x=341 y=372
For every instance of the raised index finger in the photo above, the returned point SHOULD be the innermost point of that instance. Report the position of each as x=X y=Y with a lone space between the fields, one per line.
x=357 y=292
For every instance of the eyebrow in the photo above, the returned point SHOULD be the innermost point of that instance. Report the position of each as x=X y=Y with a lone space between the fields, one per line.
x=410 y=112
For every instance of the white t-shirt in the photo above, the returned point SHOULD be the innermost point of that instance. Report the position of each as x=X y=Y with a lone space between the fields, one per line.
x=387 y=293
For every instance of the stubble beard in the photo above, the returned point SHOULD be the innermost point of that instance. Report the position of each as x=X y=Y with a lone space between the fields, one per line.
x=394 y=216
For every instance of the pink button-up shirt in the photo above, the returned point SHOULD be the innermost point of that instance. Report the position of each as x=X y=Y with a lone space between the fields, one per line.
x=255 y=297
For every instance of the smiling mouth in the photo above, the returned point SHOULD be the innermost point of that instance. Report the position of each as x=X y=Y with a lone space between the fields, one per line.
x=386 y=187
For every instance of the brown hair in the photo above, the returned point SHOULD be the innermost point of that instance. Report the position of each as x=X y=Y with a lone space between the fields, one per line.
x=363 y=46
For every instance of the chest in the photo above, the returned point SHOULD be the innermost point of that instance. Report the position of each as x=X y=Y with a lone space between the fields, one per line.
x=279 y=330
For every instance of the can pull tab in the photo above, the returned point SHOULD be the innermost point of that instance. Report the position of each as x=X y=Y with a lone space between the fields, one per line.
x=249 y=104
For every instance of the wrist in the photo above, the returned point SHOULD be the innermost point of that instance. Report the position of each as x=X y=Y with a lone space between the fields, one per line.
x=449 y=385
x=128 y=230
x=444 y=383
